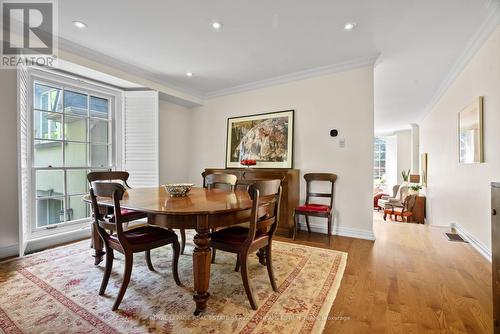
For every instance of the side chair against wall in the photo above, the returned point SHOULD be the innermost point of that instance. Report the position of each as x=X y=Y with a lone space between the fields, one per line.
x=219 y=180
x=316 y=210
x=130 y=215
x=140 y=239
x=405 y=212
x=266 y=198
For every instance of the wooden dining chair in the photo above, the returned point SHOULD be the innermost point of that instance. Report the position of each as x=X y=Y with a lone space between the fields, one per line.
x=266 y=197
x=316 y=210
x=218 y=180
x=139 y=239
x=131 y=215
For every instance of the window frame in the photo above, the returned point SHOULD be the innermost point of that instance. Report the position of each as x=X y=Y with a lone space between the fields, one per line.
x=376 y=163
x=77 y=85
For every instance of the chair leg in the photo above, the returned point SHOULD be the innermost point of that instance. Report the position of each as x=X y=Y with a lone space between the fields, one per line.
x=183 y=240
x=129 y=259
x=295 y=225
x=385 y=216
x=244 y=277
x=307 y=223
x=148 y=260
x=107 y=271
x=237 y=267
x=213 y=254
x=269 y=265
x=329 y=226
x=175 y=261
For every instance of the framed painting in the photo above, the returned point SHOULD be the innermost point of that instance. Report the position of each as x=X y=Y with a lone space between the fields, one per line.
x=423 y=169
x=262 y=141
x=470 y=133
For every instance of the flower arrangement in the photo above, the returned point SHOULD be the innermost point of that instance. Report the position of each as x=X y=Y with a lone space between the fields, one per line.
x=248 y=162
x=415 y=187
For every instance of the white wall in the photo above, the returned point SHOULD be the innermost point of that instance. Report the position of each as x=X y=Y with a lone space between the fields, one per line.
x=343 y=101
x=461 y=193
x=403 y=139
x=9 y=228
x=175 y=134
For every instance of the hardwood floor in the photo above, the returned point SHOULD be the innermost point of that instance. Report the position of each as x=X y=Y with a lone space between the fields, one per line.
x=410 y=280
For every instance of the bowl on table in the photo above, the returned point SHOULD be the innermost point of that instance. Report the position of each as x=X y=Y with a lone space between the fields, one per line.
x=178 y=189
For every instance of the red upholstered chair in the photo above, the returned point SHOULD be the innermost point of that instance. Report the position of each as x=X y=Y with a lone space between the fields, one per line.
x=140 y=239
x=129 y=215
x=376 y=197
x=316 y=210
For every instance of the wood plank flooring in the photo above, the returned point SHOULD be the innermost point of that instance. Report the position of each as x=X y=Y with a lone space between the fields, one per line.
x=410 y=280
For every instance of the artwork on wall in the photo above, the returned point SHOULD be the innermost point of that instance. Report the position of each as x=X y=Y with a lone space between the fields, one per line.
x=263 y=139
x=470 y=133
x=423 y=169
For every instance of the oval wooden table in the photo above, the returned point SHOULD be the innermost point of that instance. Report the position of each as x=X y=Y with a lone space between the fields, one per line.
x=201 y=210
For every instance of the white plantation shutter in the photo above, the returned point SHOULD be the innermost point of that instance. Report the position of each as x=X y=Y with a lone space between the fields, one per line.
x=23 y=153
x=140 y=138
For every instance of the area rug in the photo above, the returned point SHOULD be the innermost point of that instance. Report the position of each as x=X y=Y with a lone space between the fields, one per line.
x=55 y=291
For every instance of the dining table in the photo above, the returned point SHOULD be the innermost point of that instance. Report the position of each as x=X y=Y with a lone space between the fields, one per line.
x=201 y=210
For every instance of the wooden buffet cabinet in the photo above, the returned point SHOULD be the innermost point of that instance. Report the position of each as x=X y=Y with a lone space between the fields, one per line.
x=290 y=182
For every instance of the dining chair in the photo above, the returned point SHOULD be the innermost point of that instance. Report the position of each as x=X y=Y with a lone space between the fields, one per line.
x=218 y=180
x=131 y=215
x=139 y=239
x=316 y=210
x=266 y=197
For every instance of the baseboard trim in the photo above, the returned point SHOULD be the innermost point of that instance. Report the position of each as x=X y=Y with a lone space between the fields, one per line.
x=38 y=244
x=12 y=250
x=341 y=231
x=478 y=246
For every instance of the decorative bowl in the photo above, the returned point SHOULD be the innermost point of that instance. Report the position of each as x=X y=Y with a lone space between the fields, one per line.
x=178 y=189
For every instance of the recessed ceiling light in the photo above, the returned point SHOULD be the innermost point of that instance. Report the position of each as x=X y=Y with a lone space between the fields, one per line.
x=350 y=26
x=216 y=25
x=79 y=24
x=189 y=74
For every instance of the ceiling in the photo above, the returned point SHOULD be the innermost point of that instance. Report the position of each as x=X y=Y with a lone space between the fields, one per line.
x=416 y=43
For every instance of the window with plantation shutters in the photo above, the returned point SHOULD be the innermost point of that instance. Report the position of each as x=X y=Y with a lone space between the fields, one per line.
x=24 y=158
x=140 y=138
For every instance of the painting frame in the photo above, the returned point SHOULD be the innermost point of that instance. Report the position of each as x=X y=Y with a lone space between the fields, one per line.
x=424 y=166
x=250 y=123
x=470 y=133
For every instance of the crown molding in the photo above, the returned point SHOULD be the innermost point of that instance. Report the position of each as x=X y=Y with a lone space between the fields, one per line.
x=489 y=25
x=300 y=75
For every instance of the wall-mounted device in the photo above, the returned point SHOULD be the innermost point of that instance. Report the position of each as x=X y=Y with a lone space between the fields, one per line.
x=334 y=133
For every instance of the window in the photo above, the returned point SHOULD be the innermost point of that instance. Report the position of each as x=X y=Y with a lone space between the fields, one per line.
x=379 y=166
x=72 y=134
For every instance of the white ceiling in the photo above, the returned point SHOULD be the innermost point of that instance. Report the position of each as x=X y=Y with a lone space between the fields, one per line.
x=417 y=42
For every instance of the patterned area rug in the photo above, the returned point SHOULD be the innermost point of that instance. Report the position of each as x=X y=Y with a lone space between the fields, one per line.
x=56 y=292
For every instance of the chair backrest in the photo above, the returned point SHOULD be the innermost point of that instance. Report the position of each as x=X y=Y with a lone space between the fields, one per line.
x=325 y=177
x=409 y=203
x=114 y=191
x=403 y=193
x=266 y=199
x=395 y=190
x=109 y=176
x=219 y=180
